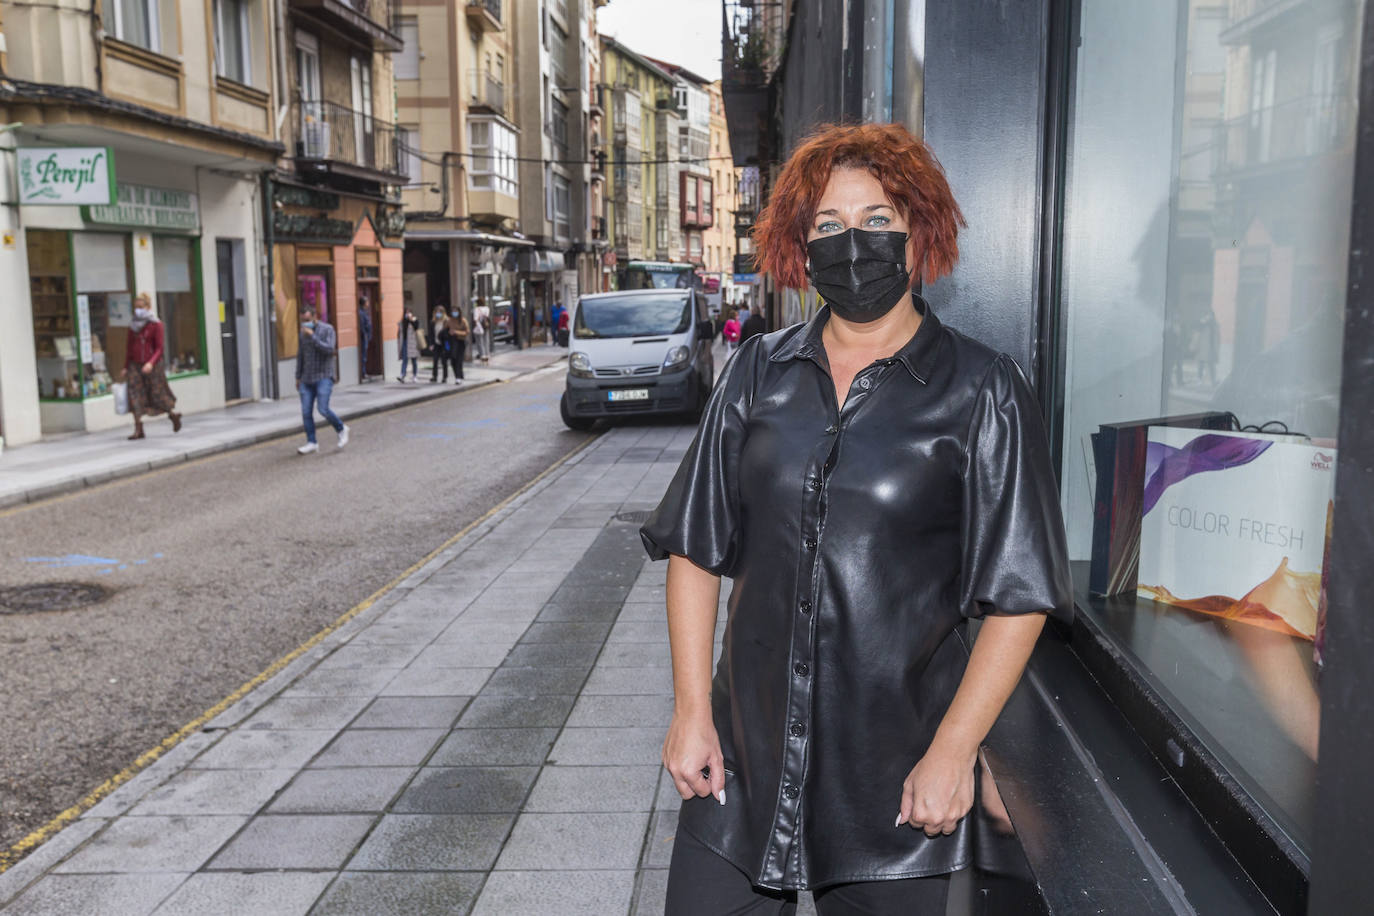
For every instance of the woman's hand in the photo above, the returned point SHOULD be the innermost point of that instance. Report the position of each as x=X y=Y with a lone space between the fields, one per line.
x=123 y=373
x=692 y=745
x=147 y=368
x=938 y=792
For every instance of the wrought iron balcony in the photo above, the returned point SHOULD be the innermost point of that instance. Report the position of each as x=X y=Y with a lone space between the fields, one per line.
x=364 y=20
x=1290 y=133
x=484 y=15
x=333 y=138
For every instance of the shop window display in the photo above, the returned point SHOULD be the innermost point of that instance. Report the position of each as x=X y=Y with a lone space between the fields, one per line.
x=1207 y=213
x=104 y=306
x=178 y=303
x=54 y=325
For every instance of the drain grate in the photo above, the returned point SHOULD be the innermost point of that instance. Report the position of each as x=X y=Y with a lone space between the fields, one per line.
x=637 y=517
x=50 y=596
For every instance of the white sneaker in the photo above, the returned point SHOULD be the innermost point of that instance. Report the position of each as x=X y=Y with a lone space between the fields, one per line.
x=308 y=448
x=343 y=436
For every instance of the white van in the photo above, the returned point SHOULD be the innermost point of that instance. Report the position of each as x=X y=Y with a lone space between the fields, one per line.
x=645 y=351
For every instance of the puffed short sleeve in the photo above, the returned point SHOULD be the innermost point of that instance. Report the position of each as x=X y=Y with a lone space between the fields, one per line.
x=698 y=517
x=1015 y=559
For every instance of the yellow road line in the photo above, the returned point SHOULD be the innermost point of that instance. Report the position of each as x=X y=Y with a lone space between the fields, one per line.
x=10 y=856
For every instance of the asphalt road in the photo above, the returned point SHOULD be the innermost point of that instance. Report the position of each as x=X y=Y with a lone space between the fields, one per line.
x=225 y=565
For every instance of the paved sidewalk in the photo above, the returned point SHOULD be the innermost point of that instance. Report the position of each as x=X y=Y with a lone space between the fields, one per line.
x=63 y=463
x=483 y=739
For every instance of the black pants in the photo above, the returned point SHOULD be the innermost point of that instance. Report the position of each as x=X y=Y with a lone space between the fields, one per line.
x=441 y=357
x=701 y=883
x=457 y=349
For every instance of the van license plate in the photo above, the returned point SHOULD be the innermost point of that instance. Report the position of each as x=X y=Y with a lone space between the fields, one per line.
x=628 y=394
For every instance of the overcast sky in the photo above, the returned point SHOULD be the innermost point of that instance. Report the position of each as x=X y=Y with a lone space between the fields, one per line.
x=682 y=32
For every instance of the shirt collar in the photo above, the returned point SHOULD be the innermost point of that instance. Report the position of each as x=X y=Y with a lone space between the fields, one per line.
x=918 y=355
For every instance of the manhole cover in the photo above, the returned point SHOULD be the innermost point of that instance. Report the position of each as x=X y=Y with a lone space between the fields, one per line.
x=50 y=596
x=637 y=517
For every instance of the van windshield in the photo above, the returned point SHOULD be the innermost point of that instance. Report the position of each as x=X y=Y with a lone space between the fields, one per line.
x=633 y=316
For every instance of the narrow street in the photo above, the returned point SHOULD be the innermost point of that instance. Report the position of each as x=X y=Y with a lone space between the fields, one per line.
x=224 y=564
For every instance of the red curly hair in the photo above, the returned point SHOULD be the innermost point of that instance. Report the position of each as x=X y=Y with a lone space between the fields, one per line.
x=911 y=178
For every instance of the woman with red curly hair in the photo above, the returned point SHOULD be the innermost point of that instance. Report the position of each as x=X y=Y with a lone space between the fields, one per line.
x=870 y=480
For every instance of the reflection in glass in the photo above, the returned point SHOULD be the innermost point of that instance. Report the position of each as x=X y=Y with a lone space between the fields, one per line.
x=1207 y=221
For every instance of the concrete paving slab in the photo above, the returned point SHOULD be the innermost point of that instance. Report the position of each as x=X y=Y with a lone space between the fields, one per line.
x=636 y=655
x=272 y=841
x=585 y=613
x=95 y=895
x=194 y=792
x=650 y=681
x=295 y=713
x=651 y=892
x=342 y=790
x=658 y=849
x=495 y=747
x=264 y=750
x=467 y=790
x=640 y=630
x=433 y=842
x=262 y=894
x=462 y=655
x=363 y=655
x=566 y=631
x=590 y=789
x=401 y=894
x=476 y=631
x=554 y=842
x=412 y=712
x=608 y=746
x=619 y=710
x=535 y=681
x=553 y=655
x=341 y=682
x=437 y=682
x=517 y=711
x=378 y=747
x=153 y=844
x=544 y=893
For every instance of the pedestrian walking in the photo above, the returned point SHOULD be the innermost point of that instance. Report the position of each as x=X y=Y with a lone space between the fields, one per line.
x=564 y=326
x=753 y=326
x=365 y=337
x=481 y=326
x=408 y=343
x=731 y=331
x=845 y=710
x=439 y=343
x=315 y=377
x=145 y=370
x=458 y=332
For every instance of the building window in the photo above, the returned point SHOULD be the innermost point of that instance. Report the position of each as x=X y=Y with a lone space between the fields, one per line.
x=408 y=59
x=1198 y=311
x=178 y=305
x=233 y=54
x=493 y=161
x=410 y=154
x=558 y=128
x=136 y=21
x=562 y=207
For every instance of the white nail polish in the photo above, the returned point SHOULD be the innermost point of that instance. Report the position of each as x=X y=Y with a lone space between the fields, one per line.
x=720 y=796
x=898 y=822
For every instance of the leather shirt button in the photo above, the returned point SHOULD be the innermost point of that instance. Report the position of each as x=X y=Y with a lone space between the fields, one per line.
x=800 y=669
x=832 y=429
x=865 y=384
x=790 y=791
x=810 y=543
x=806 y=607
x=813 y=483
x=798 y=729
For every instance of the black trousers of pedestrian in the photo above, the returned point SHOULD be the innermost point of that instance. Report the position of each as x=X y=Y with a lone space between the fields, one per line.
x=457 y=350
x=442 y=350
x=702 y=883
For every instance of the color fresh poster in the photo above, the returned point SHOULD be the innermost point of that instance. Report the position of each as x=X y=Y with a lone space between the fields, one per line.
x=1234 y=525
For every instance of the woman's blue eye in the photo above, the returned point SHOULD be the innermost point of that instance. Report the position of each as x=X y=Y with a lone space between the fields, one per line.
x=878 y=220
x=828 y=226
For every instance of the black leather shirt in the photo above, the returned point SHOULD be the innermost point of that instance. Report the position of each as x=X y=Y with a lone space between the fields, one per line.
x=859 y=539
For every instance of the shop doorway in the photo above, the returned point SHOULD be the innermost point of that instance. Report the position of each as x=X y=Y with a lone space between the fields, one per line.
x=233 y=320
x=369 y=301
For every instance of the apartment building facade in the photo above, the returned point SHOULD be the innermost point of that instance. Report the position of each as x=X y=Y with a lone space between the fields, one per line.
x=167 y=107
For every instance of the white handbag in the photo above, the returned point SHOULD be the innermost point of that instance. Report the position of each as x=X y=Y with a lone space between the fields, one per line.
x=120 y=390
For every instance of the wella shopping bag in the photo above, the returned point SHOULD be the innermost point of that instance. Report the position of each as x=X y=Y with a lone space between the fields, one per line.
x=1234 y=525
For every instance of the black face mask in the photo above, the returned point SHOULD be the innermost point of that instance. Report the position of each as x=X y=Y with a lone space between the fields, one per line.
x=861 y=274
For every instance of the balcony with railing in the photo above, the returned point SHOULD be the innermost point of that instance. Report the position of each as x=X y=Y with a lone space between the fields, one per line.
x=365 y=21
x=331 y=138
x=484 y=15
x=1287 y=134
x=488 y=92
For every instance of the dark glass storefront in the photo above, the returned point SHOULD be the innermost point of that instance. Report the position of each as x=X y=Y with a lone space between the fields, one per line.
x=1160 y=201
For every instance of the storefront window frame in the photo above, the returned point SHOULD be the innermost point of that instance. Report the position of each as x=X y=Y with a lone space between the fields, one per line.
x=198 y=291
x=1277 y=865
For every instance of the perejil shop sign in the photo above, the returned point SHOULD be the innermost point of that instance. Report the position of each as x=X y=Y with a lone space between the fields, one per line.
x=66 y=175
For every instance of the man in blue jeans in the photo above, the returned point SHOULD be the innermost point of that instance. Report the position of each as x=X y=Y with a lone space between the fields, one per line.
x=315 y=377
